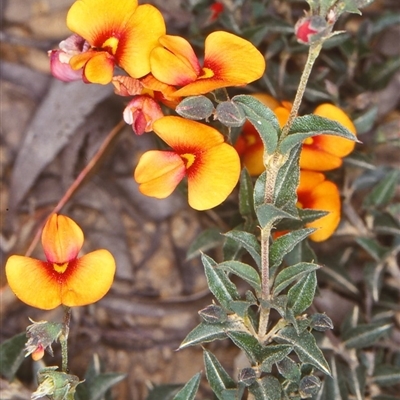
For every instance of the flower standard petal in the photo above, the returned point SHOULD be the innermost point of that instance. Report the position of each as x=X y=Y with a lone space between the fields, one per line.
x=126 y=31
x=229 y=61
x=62 y=239
x=139 y=38
x=159 y=173
x=88 y=279
x=186 y=136
x=98 y=20
x=212 y=176
x=33 y=282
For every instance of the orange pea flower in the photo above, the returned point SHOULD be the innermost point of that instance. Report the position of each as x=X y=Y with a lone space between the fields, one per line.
x=119 y=32
x=249 y=144
x=325 y=152
x=315 y=192
x=64 y=278
x=318 y=153
x=212 y=167
x=228 y=61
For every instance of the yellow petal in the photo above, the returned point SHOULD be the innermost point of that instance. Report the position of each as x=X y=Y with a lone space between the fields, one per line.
x=98 y=20
x=140 y=37
x=335 y=145
x=186 y=136
x=99 y=68
x=159 y=173
x=89 y=279
x=231 y=60
x=253 y=160
x=62 y=239
x=170 y=69
x=212 y=178
x=315 y=159
x=326 y=197
x=33 y=282
x=309 y=180
x=176 y=62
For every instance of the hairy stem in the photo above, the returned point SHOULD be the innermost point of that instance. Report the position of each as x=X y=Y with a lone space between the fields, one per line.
x=313 y=53
x=273 y=163
x=64 y=339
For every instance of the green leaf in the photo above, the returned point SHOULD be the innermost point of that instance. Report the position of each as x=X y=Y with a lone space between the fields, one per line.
x=205 y=332
x=302 y=252
x=262 y=118
x=246 y=202
x=313 y=125
x=188 y=392
x=249 y=242
x=289 y=369
x=244 y=271
x=291 y=274
x=373 y=248
x=162 y=392
x=379 y=74
x=268 y=214
x=301 y=295
x=102 y=383
x=364 y=335
x=259 y=190
x=335 y=386
x=366 y=120
x=241 y=308
x=218 y=282
x=373 y=274
x=284 y=244
x=384 y=191
x=387 y=375
x=217 y=377
x=266 y=388
x=12 y=355
x=273 y=354
x=305 y=347
x=309 y=215
x=287 y=182
x=208 y=239
x=249 y=344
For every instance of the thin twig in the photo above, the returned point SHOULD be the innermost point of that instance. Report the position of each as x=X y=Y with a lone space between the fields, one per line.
x=77 y=182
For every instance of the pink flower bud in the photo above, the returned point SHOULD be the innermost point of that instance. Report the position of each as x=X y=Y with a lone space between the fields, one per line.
x=310 y=29
x=141 y=112
x=59 y=59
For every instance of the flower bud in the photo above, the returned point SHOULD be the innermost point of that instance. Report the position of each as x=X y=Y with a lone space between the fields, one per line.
x=59 y=59
x=321 y=322
x=55 y=385
x=309 y=386
x=310 y=29
x=247 y=376
x=141 y=112
x=195 y=107
x=213 y=314
x=41 y=335
x=230 y=114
